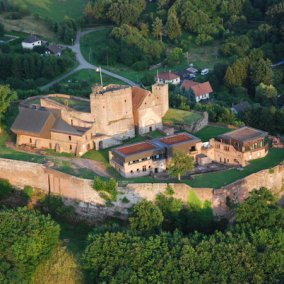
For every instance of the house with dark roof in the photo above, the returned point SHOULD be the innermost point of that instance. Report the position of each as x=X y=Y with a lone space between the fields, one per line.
x=239 y=146
x=144 y=158
x=54 y=49
x=168 y=78
x=201 y=91
x=240 y=107
x=31 y=42
x=76 y=125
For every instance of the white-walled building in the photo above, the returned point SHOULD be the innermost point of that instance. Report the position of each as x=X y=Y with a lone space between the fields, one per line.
x=31 y=42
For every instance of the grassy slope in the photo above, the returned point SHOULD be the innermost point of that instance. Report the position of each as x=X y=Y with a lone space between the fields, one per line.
x=219 y=179
x=180 y=116
x=209 y=132
x=53 y=9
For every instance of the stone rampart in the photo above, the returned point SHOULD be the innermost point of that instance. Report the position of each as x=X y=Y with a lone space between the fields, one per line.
x=87 y=200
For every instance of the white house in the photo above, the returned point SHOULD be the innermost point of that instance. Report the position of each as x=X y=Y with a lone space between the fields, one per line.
x=201 y=91
x=31 y=42
x=168 y=78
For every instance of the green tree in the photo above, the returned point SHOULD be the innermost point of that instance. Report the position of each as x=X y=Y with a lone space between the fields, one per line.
x=7 y=96
x=2 y=30
x=173 y=26
x=175 y=56
x=158 y=29
x=266 y=93
x=146 y=217
x=180 y=164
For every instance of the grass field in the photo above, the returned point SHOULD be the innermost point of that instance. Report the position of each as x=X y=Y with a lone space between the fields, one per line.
x=219 y=179
x=181 y=116
x=209 y=132
x=53 y=9
x=90 y=76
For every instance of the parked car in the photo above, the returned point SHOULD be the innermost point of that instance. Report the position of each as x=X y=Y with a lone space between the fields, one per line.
x=204 y=71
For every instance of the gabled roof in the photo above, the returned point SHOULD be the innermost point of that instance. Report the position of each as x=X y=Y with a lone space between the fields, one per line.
x=138 y=96
x=31 y=121
x=31 y=39
x=63 y=127
x=241 y=107
x=202 y=89
x=167 y=76
x=192 y=70
x=188 y=84
x=244 y=134
x=54 y=48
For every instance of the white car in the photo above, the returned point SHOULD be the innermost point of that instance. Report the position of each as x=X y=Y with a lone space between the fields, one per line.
x=204 y=71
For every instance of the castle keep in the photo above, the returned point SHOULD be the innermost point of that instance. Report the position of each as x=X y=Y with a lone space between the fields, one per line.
x=75 y=125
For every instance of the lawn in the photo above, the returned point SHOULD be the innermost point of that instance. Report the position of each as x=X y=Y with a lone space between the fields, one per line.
x=209 y=132
x=53 y=9
x=90 y=76
x=178 y=116
x=219 y=179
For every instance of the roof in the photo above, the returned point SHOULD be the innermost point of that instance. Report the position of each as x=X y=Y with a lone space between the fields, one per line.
x=188 y=84
x=201 y=89
x=167 y=76
x=31 y=121
x=63 y=127
x=31 y=39
x=178 y=138
x=138 y=96
x=135 y=148
x=244 y=134
x=241 y=107
x=55 y=48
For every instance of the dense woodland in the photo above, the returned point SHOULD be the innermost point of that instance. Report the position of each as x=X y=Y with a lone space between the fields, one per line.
x=165 y=241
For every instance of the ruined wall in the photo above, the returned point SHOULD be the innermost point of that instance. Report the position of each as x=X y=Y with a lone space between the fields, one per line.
x=87 y=201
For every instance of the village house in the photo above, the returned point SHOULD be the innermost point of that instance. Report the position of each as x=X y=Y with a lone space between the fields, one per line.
x=54 y=49
x=238 y=147
x=31 y=42
x=240 y=107
x=201 y=91
x=144 y=158
x=113 y=114
x=168 y=78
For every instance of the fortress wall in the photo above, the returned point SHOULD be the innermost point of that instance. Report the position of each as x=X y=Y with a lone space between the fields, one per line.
x=88 y=202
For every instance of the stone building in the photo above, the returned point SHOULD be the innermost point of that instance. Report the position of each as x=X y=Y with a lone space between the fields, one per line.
x=75 y=125
x=144 y=158
x=238 y=147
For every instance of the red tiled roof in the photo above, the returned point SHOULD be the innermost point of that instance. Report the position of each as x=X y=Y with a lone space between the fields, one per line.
x=135 y=148
x=168 y=76
x=188 y=84
x=202 y=89
x=176 y=139
x=138 y=96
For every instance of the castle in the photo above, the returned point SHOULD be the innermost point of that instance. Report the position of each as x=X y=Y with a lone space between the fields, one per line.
x=76 y=125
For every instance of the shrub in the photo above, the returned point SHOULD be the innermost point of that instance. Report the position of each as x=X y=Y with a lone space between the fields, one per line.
x=5 y=188
x=106 y=186
x=125 y=200
x=169 y=190
x=28 y=191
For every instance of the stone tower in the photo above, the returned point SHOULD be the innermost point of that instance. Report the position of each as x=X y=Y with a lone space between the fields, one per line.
x=111 y=108
x=161 y=91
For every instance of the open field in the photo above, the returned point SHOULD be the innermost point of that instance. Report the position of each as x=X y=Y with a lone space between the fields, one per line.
x=219 y=179
x=28 y=25
x=181 y=116
x=209 y=132
x=91 y=77
x=53 y=9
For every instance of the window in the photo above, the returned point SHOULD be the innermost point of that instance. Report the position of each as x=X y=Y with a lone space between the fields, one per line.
x=31 y=141
x=131 y=172
x=70 y=147
x=138 y=170
x=144 y=169
x=70 y=138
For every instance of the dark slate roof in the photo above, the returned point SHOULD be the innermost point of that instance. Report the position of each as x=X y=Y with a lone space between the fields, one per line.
x=31 y=39
x=63 y=127
x=53 y=48
x=241 y=107
x=31 y=120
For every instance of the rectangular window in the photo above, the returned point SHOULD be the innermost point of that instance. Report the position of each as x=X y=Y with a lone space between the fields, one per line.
x=69 y=138
x=144 y=169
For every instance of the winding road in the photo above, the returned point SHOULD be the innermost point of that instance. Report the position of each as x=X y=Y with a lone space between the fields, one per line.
x=83 y=63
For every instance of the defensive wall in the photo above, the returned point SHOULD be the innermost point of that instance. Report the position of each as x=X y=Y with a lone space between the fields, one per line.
x=80 y=193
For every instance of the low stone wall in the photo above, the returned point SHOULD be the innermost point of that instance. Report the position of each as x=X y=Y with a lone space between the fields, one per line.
x=87 y=201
